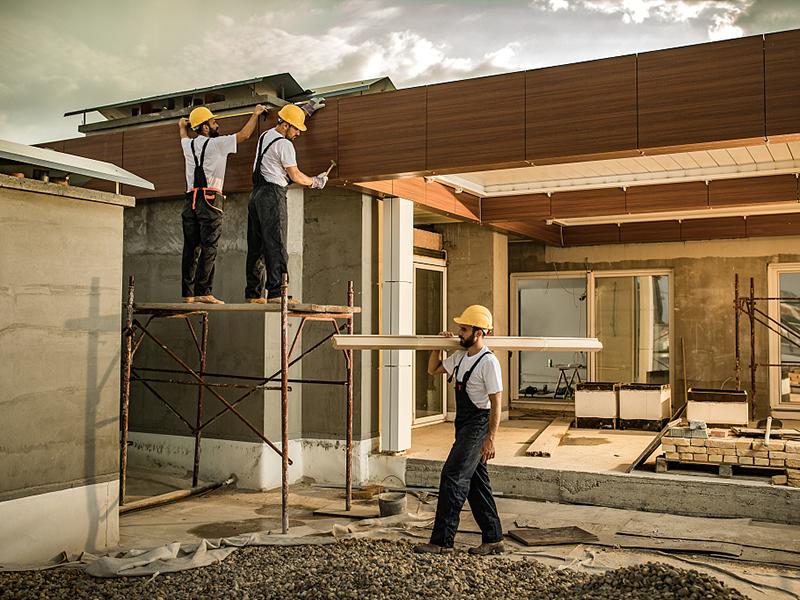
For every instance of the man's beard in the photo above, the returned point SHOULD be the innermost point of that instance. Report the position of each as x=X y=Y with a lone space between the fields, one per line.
x=467 y=342
x=212 y=133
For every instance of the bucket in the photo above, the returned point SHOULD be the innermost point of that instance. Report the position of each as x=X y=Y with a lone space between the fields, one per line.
x=391 y=503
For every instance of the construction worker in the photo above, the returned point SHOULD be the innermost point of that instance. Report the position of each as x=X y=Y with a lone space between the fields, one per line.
x=274 y=168
x=464 y=477
x=206 y=157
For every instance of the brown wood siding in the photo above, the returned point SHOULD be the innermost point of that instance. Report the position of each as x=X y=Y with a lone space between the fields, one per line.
x=107 y=148
x=702 y=93
x=239 y=168
x=382 y=134
x=550 y=234
x=709 y=229
x=318 y=146
x=658 y=198
x=652 y=231
x=752 y=190
x=769 y=225
x=515 y=208
x=155 y=154
x=589 y=235
x=434 y=196
x=782 y=80
x=476 y=122
x=580 y=109
x=58 y=146
x=588 y=203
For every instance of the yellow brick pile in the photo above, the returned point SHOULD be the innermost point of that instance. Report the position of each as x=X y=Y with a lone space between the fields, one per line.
x=776 y=454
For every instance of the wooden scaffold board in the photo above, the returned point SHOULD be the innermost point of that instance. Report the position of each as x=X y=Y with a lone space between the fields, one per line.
x=438 y=342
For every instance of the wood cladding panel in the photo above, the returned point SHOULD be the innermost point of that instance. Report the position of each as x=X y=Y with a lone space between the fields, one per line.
x=588 y=203
x=515 y=208
x=653 y=231
x=155 y=154
x=318 y=146
x=58 y=145
x=107 y=148
x=476 y=122
x=770 y=225
x=550 y=234
x=701 y=93
x=382 y=134
x=711 y=229
x=239 y=168
x=434 y=196
x=580 y=109
x=589 y=235
x=659 y=198
x=752 y=190
x=782 y=80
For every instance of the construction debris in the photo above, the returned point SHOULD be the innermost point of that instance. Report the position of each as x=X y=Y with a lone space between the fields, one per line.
x=552 y=536
x=548 y=440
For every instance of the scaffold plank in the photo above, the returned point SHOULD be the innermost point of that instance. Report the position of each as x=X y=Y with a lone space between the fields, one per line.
x=181 y=307
x=438 y=342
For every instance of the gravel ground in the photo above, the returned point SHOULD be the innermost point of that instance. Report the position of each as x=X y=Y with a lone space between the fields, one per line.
x=367 y=569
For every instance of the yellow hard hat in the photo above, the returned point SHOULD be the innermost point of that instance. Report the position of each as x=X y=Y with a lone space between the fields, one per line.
x=475 y=316
x=293 y=115
x=199 y=116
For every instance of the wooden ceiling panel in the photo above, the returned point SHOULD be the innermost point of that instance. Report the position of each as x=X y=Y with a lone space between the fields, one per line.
x=382 y=134
x=589 y=235
x=550 y=234
x=107 y=148
x=659 y=198
x=709 y=229
x=770 y=225
x=752 y=190
x=610 y=201
x=701 y=93
x=580 y=109
x=515 y=207
x=652 y=231
x=318 y=146
x=476 y=122
x=782 y=79
x=155 y=154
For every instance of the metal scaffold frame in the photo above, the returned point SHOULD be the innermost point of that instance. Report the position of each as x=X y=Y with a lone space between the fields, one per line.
x=135 y=332
x=748 y=305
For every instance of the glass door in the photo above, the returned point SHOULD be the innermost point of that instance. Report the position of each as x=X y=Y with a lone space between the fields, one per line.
x=784 y=287
x=430 y=283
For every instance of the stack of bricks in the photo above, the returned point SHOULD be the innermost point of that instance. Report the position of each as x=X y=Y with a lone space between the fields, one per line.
x=717 y=446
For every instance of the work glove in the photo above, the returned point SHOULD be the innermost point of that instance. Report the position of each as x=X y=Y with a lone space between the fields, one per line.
x=312 y=105
x=318 y=181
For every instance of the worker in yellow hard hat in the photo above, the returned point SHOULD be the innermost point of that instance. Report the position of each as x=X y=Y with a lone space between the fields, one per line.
x=275 y=167
x=206 y=158
x=479 y=389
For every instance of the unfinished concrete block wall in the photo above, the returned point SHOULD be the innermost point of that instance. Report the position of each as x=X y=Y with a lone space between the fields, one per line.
x=60 y=311
x=703 y=294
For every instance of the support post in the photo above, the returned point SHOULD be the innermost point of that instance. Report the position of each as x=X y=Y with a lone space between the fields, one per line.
x=127 y=360
x=198 y=430
x=737 y=317
x=285 y=403
x=349 y=363
x=753 y=363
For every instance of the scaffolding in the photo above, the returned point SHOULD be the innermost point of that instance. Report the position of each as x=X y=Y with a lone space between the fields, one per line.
x=748 y=306
x=136 y=331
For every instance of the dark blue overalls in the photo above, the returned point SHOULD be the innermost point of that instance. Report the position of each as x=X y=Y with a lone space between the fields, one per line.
x=202 y=225
x=464 y=475
x=266 y=232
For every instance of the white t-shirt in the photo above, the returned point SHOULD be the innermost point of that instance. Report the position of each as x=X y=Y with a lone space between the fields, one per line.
x=279 y=156
x=215 y=159
x=485 y=379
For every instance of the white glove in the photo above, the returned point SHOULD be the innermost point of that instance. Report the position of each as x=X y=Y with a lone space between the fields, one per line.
x=312 y=105
x=318 y=181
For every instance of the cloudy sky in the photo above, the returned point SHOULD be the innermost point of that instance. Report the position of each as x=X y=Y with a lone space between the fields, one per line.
x=62 y=56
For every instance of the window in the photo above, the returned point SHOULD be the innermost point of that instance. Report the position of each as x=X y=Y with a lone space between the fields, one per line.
x=784 y=350
x=429 y=316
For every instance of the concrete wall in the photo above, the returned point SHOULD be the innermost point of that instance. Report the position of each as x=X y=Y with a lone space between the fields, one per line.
x=703 y=317
x=477 y=273
x=60 y=311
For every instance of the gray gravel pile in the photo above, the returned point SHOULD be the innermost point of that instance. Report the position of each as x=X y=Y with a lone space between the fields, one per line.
x=367 y=569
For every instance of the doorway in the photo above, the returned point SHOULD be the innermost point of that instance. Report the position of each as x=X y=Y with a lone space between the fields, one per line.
x=430 y=307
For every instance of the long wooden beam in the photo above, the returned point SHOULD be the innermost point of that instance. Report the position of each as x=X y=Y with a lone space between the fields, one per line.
x=438 y=342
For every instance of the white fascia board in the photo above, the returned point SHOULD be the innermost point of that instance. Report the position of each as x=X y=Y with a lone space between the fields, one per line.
x=437 y=342
x=44 y=157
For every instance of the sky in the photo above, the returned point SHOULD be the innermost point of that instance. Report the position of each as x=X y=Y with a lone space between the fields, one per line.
x=63 y=56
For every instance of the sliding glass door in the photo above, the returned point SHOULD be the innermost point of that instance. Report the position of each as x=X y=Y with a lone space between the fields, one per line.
x=429 y=314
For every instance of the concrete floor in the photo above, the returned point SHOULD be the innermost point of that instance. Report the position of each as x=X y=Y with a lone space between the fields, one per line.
x=589 y=450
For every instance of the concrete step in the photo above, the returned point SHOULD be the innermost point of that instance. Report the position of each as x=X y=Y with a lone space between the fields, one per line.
x=663 y=492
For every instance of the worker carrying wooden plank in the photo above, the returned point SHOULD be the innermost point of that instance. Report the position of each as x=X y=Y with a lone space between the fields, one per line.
x=206 y=158
x=274 y=168
x=479 y=390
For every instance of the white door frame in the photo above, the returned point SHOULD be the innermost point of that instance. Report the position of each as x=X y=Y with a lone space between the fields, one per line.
x=784 y=410
x=429 y=264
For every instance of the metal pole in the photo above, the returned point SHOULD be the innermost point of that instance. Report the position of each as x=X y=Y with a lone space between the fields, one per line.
x=285 y=403
x=752 y=305
x=198 y=431
x=349 y=361
x=127 y=359
x=736 y=328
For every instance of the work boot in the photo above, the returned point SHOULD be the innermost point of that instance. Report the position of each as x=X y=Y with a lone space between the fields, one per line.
x=256 y=300
x=488 y=548
x=277 y=300
x=209 y=299
x=188 y=299
x=432 y=549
